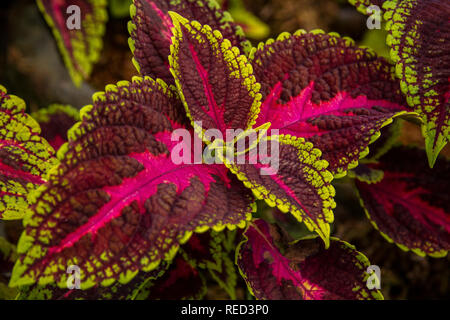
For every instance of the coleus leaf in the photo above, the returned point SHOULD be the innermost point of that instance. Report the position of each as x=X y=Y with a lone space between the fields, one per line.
x=180 y=281
x=212 y=251
x=80 y=48
x=25 y=157
x=8 y=256
x=171 y=280
x=215 y=81
x=219 y=92
x=304 y=270
x=117 y=203
x=120 y=8
x=327 y=90
x=409 y=204
x=419 y=37
x=150 y=31
x=55 y=121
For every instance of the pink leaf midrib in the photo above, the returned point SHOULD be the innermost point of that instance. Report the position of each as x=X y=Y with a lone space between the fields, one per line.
x=218 y=118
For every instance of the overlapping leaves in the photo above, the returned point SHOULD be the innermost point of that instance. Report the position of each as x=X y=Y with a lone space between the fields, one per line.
x=25 y=157
x=117 y=203
x=8 y=256
x=419 y=37
x=303 y=270
x=253 y=27
x=151 y=32
x=407 y=201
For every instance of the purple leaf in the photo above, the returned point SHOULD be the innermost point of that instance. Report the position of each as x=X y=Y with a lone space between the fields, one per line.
x=304 y=270
x=296 y=181
x=117 y=203
x=180 y=282
x=150 y=31
x=408 y=204
x=388 y=138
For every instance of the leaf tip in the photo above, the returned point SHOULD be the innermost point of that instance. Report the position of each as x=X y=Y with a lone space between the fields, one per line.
x=176 y=18
x=433 y=146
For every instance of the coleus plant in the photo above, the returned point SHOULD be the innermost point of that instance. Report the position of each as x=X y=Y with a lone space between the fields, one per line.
x=113 y=202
